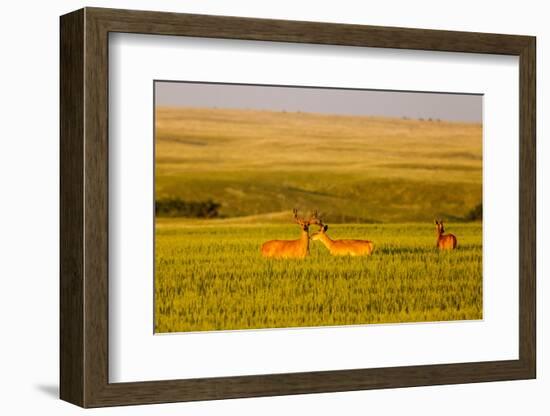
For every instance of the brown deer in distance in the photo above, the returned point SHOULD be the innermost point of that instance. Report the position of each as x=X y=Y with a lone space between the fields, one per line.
x=444 y=241
x=292 y=248
x=343 y=247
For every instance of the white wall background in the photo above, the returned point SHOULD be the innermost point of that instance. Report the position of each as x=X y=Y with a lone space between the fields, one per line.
x=29 y=159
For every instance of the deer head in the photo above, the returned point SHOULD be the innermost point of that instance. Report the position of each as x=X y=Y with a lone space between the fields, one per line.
x=303 y=223
x=439 y=227
x=315 y=220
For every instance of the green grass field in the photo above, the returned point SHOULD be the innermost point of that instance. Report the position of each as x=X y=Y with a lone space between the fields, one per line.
x=212 y=276
x=371 y=178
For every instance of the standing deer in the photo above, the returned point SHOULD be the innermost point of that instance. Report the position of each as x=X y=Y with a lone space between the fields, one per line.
x=291 y=248
x=343 y=247
x=444 y=241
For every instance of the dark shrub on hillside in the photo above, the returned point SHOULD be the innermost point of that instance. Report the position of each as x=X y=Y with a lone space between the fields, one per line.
x=175 y=207
x=475 y=214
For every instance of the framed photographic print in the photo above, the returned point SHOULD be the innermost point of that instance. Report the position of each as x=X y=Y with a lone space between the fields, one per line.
x=255 y=207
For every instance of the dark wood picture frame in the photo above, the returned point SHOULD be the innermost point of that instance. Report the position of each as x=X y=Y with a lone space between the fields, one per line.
x=84 y=207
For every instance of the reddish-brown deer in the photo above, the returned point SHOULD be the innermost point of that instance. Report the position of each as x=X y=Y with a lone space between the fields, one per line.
x=291 y=248
x=343 y=247
x=444 y=241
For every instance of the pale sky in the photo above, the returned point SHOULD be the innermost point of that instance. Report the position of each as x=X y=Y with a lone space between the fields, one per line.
x=444 y=106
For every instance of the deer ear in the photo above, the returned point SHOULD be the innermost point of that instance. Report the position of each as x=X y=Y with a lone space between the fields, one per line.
x=325 y=227
x=435 y=222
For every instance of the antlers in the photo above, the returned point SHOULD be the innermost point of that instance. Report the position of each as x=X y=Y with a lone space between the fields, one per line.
x=296 y=219
x=313 y=219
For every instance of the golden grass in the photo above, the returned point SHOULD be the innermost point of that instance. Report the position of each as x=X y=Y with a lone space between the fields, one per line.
x=359 y=169
x=194 y=139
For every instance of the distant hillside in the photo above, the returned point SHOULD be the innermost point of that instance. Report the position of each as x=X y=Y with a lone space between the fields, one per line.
x=353 y=169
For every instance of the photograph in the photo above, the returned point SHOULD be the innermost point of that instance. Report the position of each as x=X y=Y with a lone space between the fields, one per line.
x=306 y=206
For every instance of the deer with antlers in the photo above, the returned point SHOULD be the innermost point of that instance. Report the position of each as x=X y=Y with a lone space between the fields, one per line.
x=342 y=247
x=444 y=241
x=292 y=248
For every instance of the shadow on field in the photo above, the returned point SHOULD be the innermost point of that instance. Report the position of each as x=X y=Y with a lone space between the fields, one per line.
x=403 y=250
x=422 y=250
